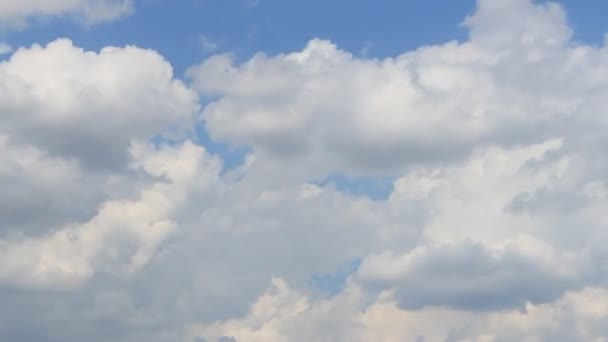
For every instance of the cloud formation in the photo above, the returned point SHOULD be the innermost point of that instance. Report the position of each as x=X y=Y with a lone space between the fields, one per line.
x=283 y=314
x=341 y=112
x=70 y=118
x=117 y=226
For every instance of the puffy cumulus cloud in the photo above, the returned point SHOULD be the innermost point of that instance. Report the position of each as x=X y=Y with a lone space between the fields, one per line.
x=474 y=276
x=342 y=112
x=122 y=236
x=283 y=314
x=477 y=252
x=87 y=105
x=517 y=79
x=73 y=121
x=511 y=25
x=16 y=13
x=494 y=227
x=69 y=118
x=229 y=242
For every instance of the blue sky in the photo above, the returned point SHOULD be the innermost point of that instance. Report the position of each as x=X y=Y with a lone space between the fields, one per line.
x=177 y=29
x=243 y=27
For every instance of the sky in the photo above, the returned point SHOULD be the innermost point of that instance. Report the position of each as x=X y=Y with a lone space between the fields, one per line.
x=277 y=171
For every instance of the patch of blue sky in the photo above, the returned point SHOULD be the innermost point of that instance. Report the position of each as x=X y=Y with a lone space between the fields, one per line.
x=377 y=188
x=333 y=283
x=587 y=19
x=232 y=157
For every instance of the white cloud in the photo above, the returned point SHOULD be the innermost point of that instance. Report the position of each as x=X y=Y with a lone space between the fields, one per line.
x=124 y=234
x=89 y=105
x=69 y=119
x=283 y=314
x=18 y=12
x=511 y=83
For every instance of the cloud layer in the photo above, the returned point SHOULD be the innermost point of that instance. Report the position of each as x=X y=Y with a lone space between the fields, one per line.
x=116 y=225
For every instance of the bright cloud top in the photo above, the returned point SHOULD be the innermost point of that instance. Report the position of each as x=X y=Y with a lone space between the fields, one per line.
x=117 y=225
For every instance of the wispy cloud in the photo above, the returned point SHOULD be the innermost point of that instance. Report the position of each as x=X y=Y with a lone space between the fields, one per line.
x=207 y=44
x=5 y=48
